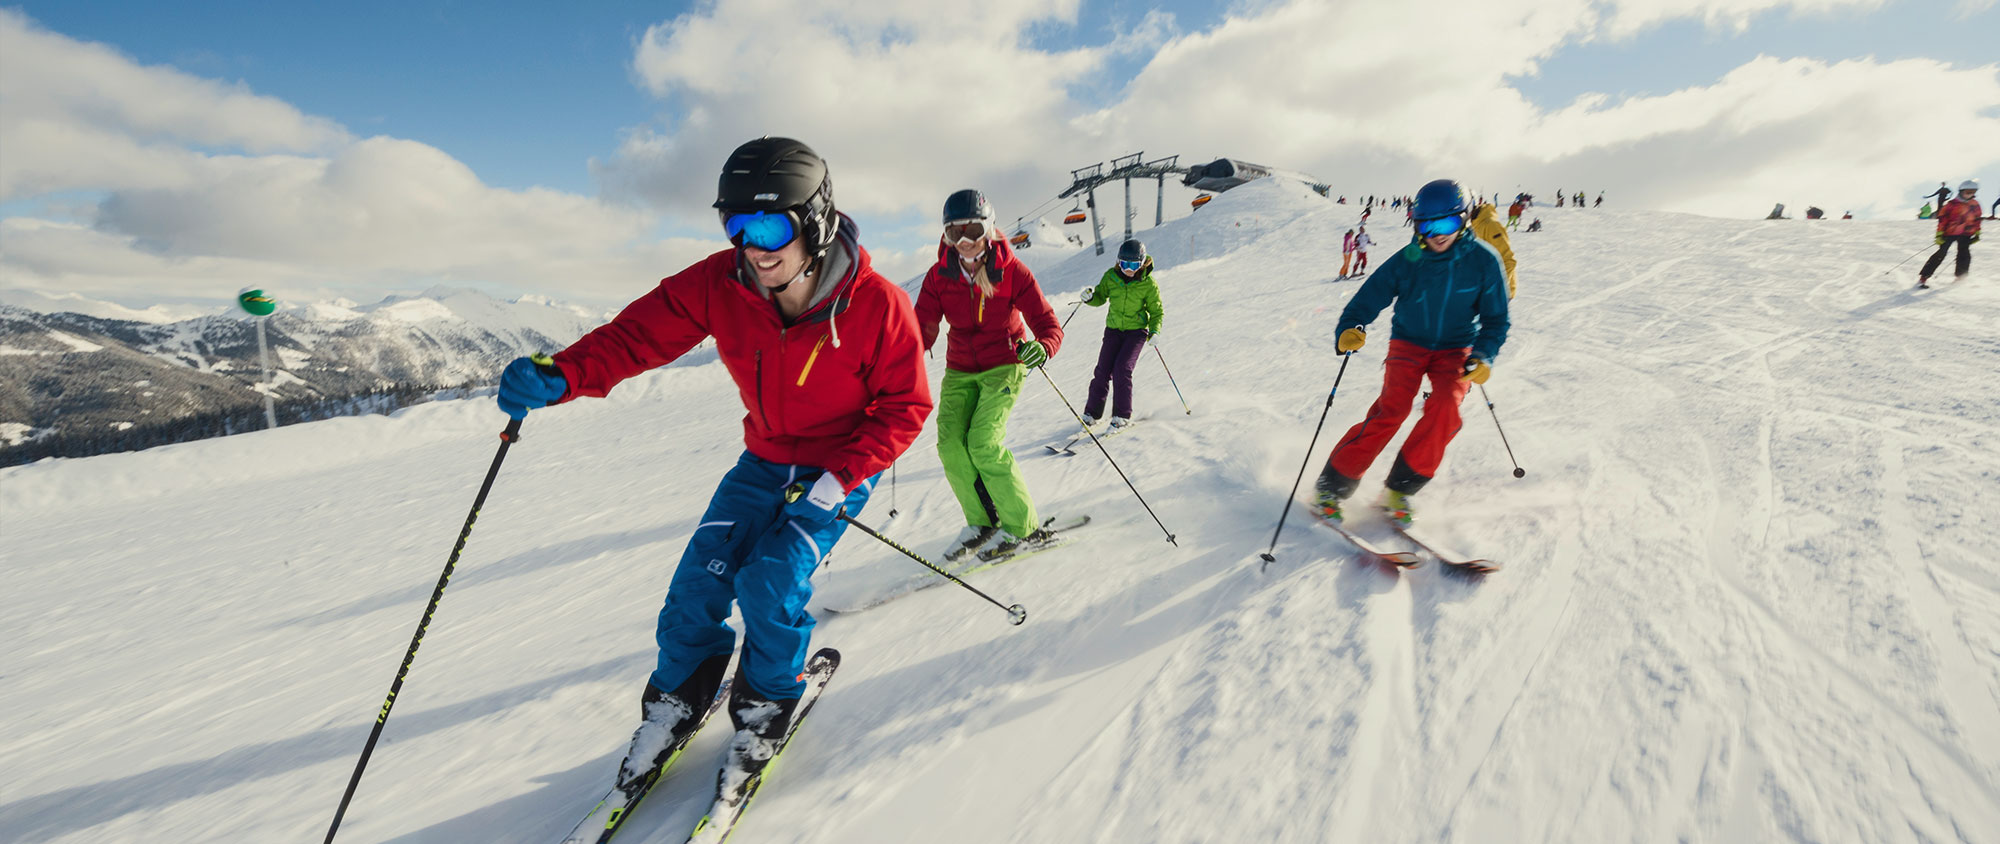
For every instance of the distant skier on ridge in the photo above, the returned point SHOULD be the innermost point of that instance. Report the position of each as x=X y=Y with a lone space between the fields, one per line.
x=828 y=410
x=983 y=291
x=1450 y=319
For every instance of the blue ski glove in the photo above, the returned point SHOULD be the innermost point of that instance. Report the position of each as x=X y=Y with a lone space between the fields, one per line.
x=818 y=504
x=1031 y=353
x=530 y=382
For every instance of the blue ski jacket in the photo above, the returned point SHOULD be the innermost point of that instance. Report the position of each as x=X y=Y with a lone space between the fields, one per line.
x=1444 y=300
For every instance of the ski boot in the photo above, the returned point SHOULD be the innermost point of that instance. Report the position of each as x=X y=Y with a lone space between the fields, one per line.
x=1117 y=422
x=761 y=725
x=668 y=717
x=1923 y=282
x=1005 y=544
x=1331 y=489
x=969 y=540
x=1396 y=506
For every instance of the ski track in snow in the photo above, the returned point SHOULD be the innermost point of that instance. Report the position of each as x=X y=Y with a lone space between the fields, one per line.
x=1749 y=589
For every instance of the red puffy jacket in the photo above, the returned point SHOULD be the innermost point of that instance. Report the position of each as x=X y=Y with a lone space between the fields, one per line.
x=1959 y=216
x=984 y=330
x=842 y=387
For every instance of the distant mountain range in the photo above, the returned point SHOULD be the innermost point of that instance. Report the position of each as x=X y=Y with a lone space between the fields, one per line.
x=73 y=384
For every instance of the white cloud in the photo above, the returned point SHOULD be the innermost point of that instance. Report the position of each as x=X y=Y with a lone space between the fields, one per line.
x=1329 y=88
x=76 y=115
x=208 y=186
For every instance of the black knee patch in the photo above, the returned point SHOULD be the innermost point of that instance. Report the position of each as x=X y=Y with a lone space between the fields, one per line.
x=1336 y=484
x=1404 y=479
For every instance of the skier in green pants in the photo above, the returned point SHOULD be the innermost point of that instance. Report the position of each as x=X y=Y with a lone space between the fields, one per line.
x=979 y=287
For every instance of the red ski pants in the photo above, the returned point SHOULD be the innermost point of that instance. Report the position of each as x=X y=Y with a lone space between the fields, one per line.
x=1403 y=372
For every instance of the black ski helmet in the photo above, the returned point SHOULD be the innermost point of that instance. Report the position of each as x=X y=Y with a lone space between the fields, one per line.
x=967 y=205
x=1132 y=250
x=781 y=174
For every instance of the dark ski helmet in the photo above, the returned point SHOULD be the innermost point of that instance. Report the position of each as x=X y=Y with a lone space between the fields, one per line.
x=967 y=205
x=1438 y=199
x=1132 y=250
x=781 y=175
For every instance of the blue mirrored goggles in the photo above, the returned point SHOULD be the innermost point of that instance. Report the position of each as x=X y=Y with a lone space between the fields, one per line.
x=1441 y=226
x=762 y=229
x=1131 y=266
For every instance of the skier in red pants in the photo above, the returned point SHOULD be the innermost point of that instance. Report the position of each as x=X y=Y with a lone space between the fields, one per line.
x=1450 y=296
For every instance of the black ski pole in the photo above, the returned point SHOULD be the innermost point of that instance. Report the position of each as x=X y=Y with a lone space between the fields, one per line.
x=1107 y=457
x=1072 y=313
x=1311 y=448
x=1170 y=379
x=1899 y=264
x=1015 y=614
x=892 y=490
x=1518 y=471
x=507 y=437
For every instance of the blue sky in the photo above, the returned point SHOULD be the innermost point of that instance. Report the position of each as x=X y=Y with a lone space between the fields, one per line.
x=526 y=92
x=573 y=99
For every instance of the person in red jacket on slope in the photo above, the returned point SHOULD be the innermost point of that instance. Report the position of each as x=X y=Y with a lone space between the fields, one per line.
x=984 y=292
x=1957 y=222
x=828 y=361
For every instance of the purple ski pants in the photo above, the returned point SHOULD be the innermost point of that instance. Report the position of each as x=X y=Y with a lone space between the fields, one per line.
x=1115 y=360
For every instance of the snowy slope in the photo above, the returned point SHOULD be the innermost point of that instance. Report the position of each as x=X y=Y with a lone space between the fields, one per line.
x=1750 y=590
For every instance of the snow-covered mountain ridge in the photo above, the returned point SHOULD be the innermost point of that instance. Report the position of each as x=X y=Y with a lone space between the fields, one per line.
x=83 y=376
x=1749 y=590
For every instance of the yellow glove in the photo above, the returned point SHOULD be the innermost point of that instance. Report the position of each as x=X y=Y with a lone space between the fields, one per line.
x=1350 y=341
x=1477 y=371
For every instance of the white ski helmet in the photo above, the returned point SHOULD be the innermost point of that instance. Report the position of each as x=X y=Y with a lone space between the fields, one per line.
x=1969 y=184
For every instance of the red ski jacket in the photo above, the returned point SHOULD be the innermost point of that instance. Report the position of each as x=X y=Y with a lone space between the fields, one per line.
x=1959 y=216
x=984 y=330
x=842 y=387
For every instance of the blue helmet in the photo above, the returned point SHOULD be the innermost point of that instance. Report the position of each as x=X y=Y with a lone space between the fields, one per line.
x=1441 y=198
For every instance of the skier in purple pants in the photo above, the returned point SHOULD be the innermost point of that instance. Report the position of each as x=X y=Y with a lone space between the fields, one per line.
x=1134 y=319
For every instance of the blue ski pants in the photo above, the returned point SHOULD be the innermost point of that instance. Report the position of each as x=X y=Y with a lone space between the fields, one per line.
x=747 y=551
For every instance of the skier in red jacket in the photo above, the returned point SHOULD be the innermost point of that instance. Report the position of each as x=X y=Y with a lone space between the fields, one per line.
x=983 y=291
x=1957 y=222
x=828 y=361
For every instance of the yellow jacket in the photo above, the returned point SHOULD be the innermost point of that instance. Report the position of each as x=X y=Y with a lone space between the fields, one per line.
x=1486 y=223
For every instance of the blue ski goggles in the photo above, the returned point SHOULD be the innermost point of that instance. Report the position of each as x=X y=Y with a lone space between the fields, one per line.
x=761 y=229
x=1131 y=267
x=1441 y=226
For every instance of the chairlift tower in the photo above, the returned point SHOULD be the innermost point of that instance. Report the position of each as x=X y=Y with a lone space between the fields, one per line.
x=1086 y=180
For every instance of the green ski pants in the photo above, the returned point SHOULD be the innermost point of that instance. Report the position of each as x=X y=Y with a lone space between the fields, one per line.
x=972 y=412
